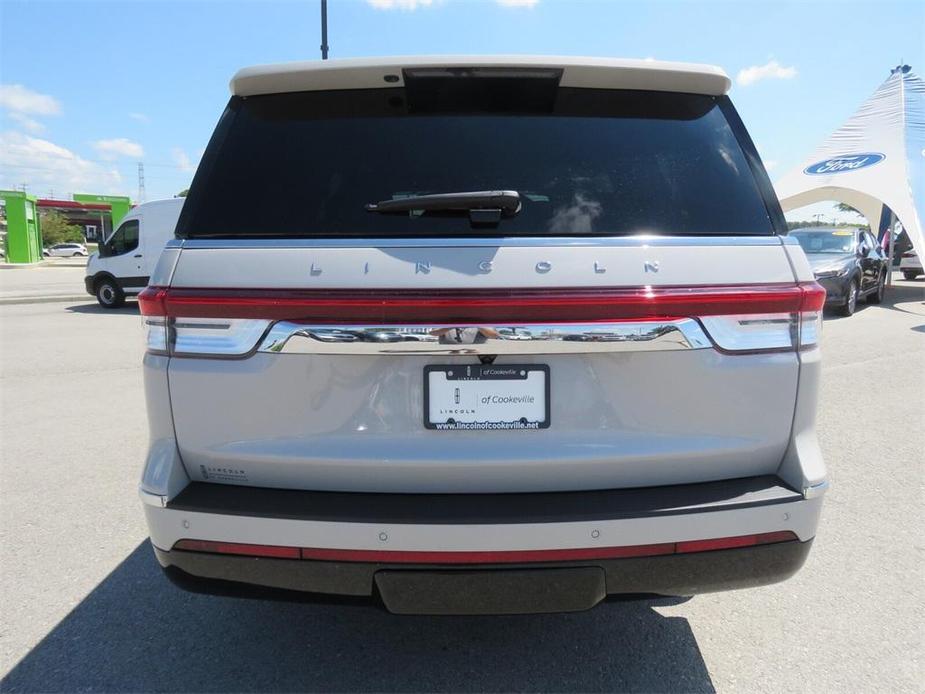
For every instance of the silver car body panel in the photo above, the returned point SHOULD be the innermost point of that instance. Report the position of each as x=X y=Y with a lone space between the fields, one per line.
x=327 y=415
x=431 y=265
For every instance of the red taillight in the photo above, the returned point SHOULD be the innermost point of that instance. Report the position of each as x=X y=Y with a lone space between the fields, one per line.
x=151 y=301
x=813 y=296
x=485 y=557
x=229 y=322
x=480 y=306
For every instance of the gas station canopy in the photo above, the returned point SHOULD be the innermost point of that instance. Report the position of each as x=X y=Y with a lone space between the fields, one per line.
x=876 y=158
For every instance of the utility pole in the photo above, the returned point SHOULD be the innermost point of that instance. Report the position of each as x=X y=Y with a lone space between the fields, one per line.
x=141 y=182
x=324 y=29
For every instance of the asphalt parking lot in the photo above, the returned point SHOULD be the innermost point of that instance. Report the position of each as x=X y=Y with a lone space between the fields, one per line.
x=85 y=607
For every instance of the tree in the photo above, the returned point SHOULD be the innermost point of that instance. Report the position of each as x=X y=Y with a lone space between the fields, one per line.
x=842 y=207
x=183 y=193
x=56 y=229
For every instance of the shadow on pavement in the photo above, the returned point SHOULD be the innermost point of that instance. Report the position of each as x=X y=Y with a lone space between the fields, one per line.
x=136 y=632
x=129 y=307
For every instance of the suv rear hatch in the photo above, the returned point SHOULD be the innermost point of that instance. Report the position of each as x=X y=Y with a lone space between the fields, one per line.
x=635 y=322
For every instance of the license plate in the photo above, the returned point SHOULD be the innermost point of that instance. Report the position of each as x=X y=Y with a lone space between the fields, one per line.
x=486 y=397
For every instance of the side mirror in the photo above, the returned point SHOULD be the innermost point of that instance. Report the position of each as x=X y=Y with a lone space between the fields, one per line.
x=863 y=249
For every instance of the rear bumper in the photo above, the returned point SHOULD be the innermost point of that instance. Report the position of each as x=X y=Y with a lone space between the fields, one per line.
x=488 y=589
x=483 y=553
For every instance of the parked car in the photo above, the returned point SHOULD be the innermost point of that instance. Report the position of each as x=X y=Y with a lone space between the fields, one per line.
x=849 y=263
x=910 y=265
x=124 y=261
x=68 y=250
x=613 y=388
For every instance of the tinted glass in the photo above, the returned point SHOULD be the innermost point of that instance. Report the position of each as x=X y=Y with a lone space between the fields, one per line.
x=588 y=162
x=124 y=240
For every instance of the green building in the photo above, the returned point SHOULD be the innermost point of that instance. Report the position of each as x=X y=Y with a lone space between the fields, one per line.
x=23 y=242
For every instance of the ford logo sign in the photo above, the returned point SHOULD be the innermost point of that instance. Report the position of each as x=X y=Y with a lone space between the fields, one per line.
x=848 y=162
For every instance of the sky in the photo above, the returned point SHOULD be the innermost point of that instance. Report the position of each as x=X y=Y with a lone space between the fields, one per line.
x=89 y=89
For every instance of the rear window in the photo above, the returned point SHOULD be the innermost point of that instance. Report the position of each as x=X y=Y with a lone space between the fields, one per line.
x=586 y=162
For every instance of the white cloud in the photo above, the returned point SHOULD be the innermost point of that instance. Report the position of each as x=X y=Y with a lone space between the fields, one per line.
x=771 y=70
x=19 y=99
x=118 y=147
x=43 y=166
x=140 y=117
x=26 y=122
x=518 y=3
x=181 y=159
x=407 y=5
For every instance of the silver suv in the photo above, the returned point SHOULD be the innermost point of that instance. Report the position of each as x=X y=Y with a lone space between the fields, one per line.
x=481 y=335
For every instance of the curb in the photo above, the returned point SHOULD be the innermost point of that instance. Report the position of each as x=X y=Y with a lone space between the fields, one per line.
x=10 y=301
x=24 y=266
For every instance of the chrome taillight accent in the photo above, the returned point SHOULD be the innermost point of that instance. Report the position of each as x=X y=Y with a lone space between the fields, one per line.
x=810 y=328
x=155 y=334
x=228 y=337
x=179 y=336
x=752 y=332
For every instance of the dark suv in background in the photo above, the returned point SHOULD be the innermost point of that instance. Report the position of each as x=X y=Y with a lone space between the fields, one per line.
x=848 y=263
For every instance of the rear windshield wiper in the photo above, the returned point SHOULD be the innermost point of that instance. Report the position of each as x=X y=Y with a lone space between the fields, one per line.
x=483 y=206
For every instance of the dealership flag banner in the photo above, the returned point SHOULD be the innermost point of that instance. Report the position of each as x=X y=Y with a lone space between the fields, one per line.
x=876 y=158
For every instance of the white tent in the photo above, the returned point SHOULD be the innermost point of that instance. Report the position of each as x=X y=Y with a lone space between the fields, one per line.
x=876 y=158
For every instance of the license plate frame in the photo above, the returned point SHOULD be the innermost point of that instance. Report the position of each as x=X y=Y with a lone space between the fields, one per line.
x=471 y=377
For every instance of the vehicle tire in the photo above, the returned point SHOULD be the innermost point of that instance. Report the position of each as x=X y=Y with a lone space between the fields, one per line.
x=108 y=293
x=910 y=274
x=851 y=302
x=877 y=296
x=75 y=254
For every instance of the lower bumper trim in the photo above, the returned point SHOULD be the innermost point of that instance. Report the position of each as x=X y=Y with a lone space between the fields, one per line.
x=489 y=589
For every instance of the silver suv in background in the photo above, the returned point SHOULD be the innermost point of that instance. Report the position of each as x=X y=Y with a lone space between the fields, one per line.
x=503 y=335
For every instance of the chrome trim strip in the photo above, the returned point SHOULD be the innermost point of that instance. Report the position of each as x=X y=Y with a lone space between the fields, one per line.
x=447 y=340
x=453 y=242
x=815 y=490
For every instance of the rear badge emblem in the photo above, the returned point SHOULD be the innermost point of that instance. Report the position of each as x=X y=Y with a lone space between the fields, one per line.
x=651 y=266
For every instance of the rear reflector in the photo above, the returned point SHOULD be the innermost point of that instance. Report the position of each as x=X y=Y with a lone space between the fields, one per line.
x=238 y=548
x=487 y=557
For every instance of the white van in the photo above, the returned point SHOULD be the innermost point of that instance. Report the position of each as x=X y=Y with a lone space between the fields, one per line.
x=127 y=257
